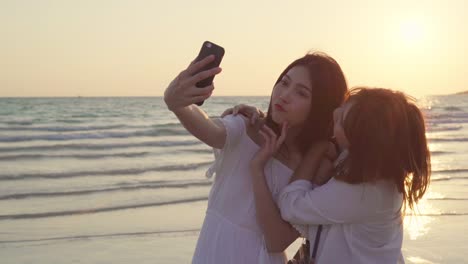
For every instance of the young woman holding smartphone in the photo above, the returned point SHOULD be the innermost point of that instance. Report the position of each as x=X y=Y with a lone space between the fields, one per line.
x=300 y=112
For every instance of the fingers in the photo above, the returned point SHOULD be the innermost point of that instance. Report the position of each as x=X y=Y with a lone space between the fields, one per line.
x=254 y=118
x=281 y=139
x=248 y=111
x=236 y=110
x=272 y=134
x=251 y=112
x=241 y=109
x=195 y=91
x=199 y=98
x=269 y=131
x=196 y=66
x=256 y=115
x=227 y=112
x=273 y=142
x=261 y=118
x=191 y=81
x=182 y=91
x=267 y=139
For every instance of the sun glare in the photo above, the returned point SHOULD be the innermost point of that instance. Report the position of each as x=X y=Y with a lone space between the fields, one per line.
x=412 y=32
x=417 y=222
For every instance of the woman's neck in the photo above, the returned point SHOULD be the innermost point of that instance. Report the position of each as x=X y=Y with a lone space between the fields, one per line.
x=290 y=143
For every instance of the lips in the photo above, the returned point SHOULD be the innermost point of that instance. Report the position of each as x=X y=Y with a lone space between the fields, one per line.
x=279 y=108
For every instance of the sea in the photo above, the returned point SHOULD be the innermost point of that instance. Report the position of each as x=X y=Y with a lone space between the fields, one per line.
x=119 y=180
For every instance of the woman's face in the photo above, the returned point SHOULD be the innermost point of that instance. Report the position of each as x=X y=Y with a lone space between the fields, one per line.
x=291 y=98
x=339 y=116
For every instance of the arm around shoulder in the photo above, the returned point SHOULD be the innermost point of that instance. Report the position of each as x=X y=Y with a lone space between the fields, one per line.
x=335 y=202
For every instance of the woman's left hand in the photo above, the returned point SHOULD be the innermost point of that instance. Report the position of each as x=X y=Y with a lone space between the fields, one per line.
x=270 y=146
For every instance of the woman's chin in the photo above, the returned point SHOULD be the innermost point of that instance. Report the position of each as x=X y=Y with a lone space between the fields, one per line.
x=278 y=118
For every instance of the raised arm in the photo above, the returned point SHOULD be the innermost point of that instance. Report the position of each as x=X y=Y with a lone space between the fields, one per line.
x=182 y=94
x=278 y=233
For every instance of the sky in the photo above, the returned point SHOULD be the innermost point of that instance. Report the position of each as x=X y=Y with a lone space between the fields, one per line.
x=135 y=48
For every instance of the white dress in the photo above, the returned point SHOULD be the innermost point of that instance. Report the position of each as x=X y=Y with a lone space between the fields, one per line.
x=362 y=222
x=230 y=232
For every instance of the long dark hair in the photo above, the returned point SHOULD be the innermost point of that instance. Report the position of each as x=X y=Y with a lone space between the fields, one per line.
x=386 y=133
x=329 y=89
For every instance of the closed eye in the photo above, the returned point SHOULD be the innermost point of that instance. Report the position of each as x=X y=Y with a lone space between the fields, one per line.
x=283 y=82
x=302 y=93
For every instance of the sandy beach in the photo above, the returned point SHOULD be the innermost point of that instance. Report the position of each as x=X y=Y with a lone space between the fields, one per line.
x=168 y=234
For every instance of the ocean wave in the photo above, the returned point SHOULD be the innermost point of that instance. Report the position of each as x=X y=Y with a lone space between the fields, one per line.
x=97 y=156
x=70 y=121
x=65 y=128
x=448 y=199
x=88 y=115
x=451 y=120
x=155 y=204
x=455 y=139
x=98 y=210
x=449 y=171
x=74 y=156
x=131 y=171
x=453 y=108
x=168 y=125
x=99 y=135
x=145 y=185
x=52 y=128
x=77 y=146
x=447 y=117
x=199 y=151
x=183 y=232
x=443 y=128
x=445 y=110
x=23 y=123
x=440 y=214
x=448 y=178
x=438 y=153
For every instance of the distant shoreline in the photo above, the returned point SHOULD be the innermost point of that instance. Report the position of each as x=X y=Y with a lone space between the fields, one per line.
x=87 y=97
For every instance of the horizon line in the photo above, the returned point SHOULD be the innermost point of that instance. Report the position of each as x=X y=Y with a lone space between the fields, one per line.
x=118 y=96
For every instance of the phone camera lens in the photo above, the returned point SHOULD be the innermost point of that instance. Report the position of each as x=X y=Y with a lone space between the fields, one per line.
x=208 y=45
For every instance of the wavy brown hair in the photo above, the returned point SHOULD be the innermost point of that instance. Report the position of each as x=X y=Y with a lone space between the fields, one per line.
x=329 y=89
x=387 y=137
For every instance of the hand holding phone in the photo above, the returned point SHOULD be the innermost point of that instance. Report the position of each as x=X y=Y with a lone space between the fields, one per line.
x=209 y=48
x=193 y=85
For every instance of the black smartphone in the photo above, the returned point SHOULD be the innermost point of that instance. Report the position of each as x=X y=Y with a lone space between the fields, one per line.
x=209 y=48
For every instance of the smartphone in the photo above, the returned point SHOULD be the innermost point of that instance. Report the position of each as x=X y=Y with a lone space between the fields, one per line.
x=209 y=48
